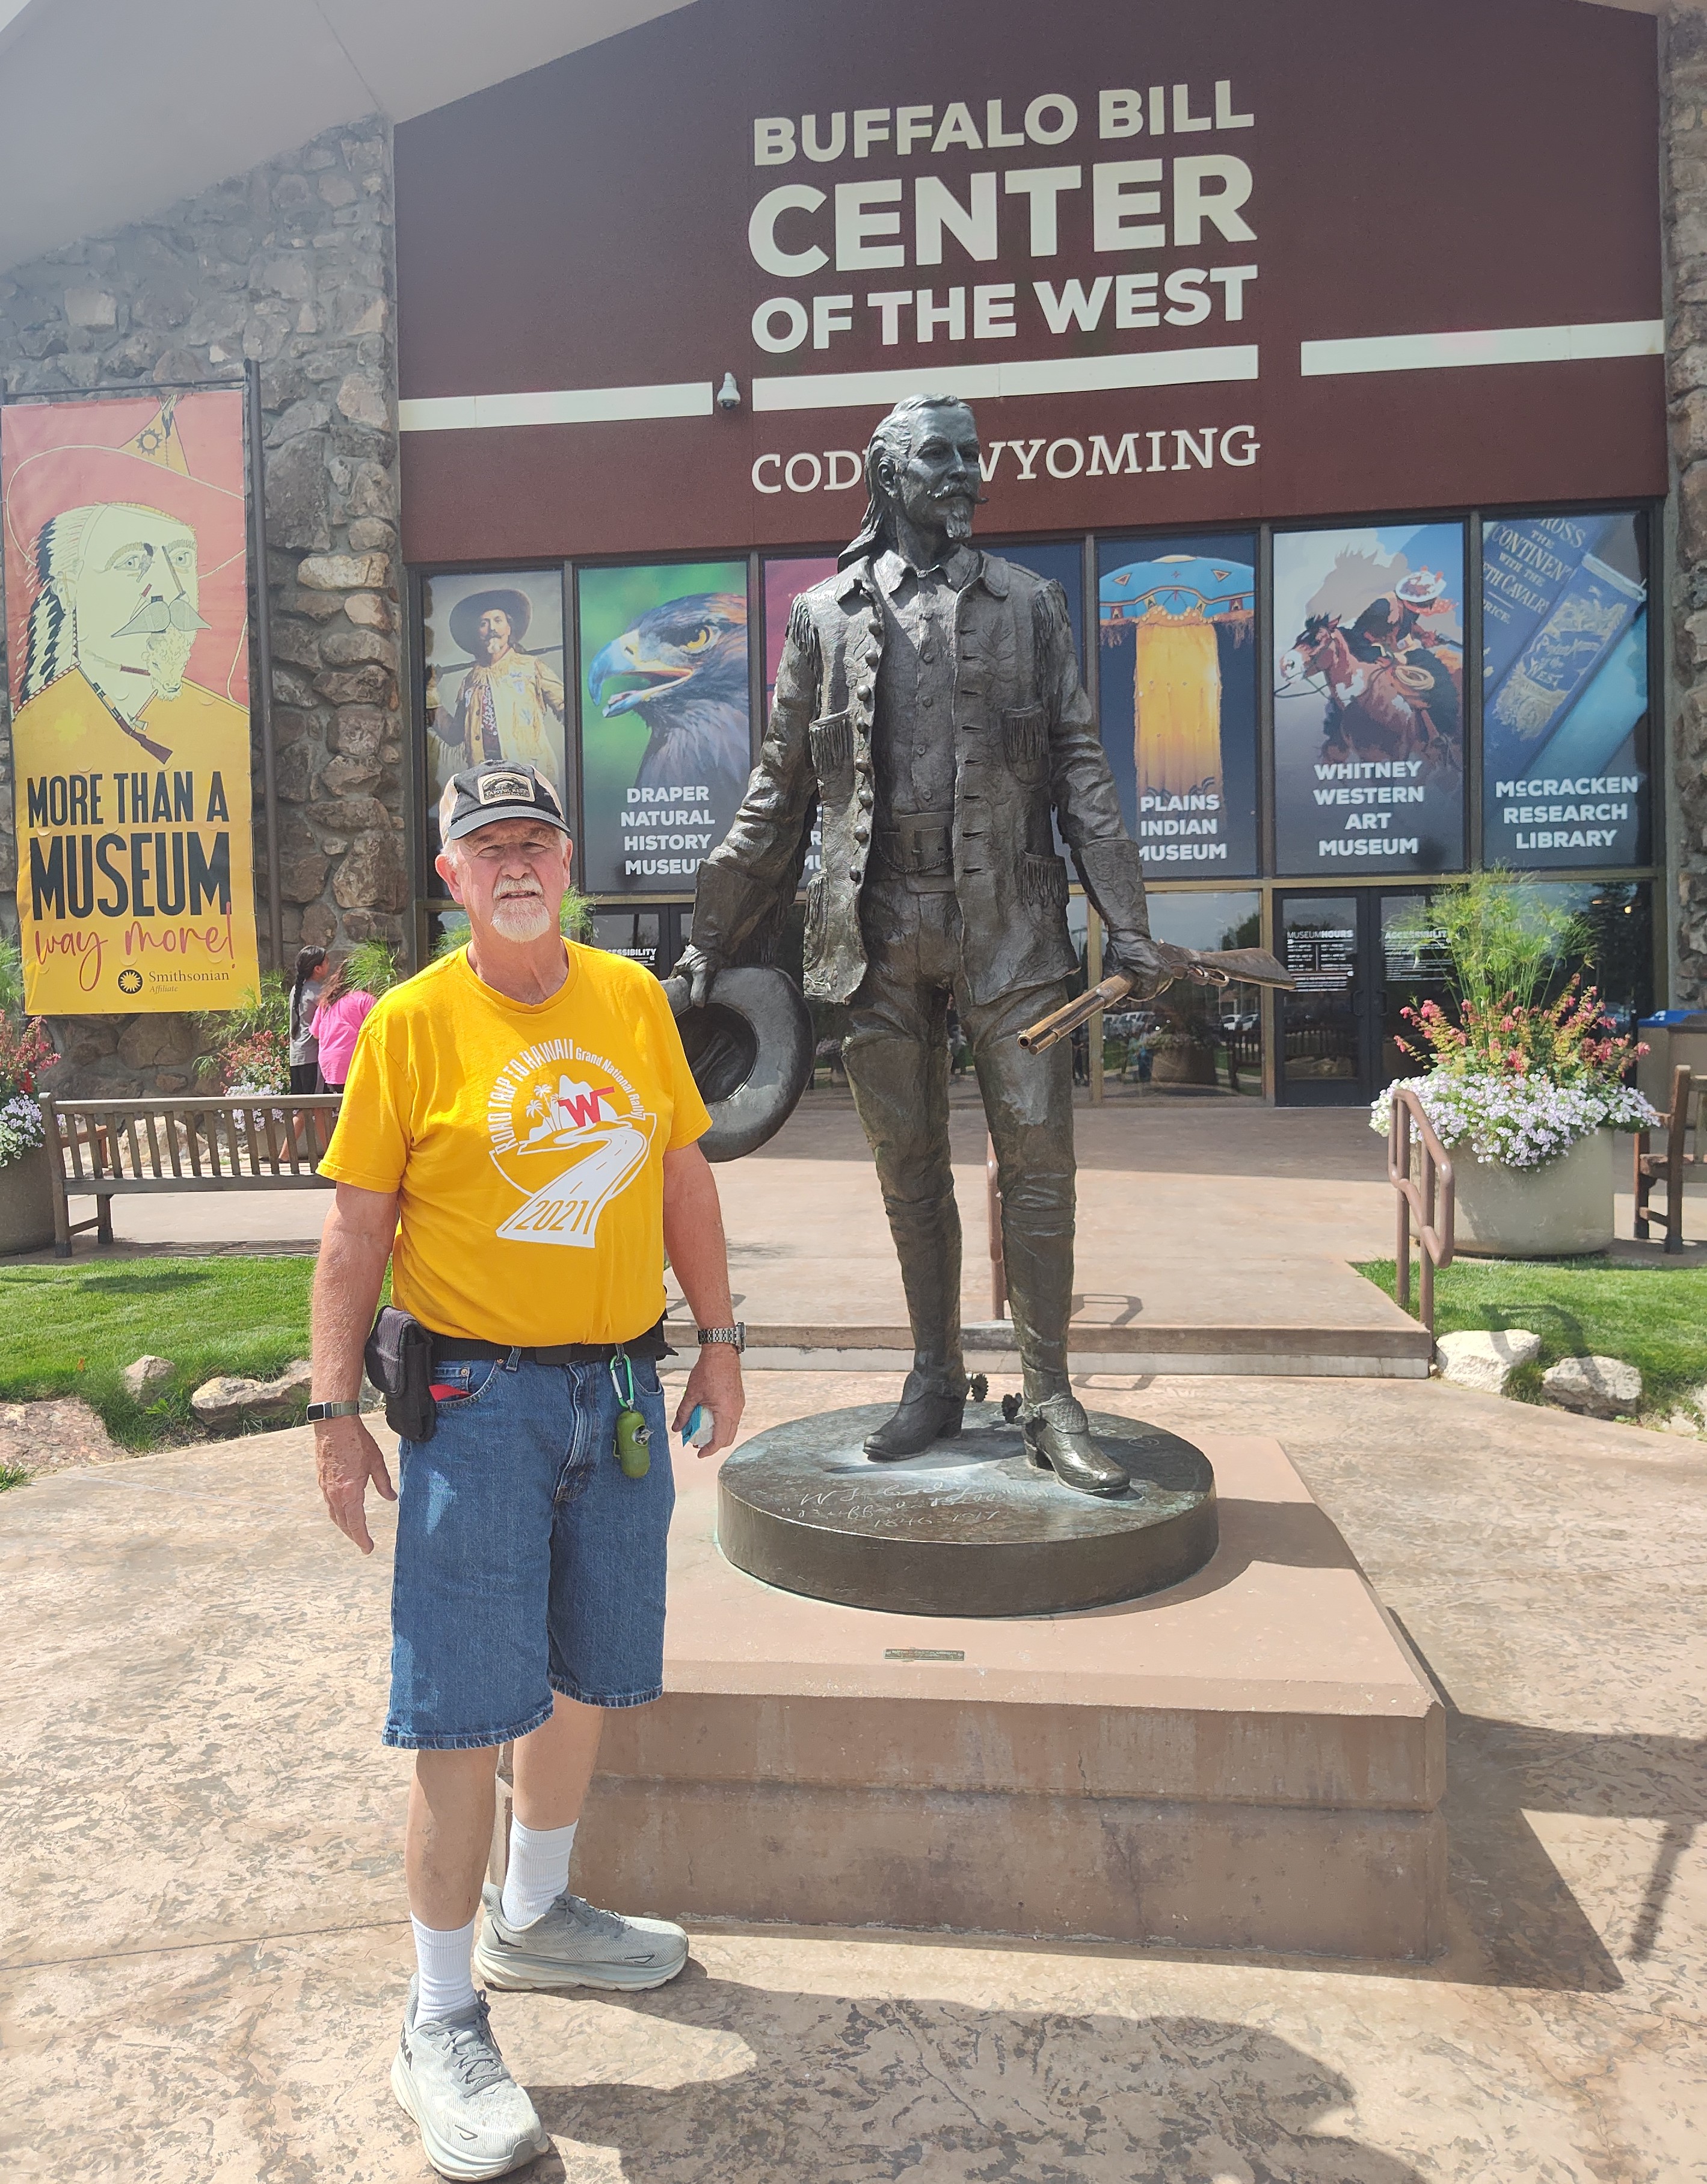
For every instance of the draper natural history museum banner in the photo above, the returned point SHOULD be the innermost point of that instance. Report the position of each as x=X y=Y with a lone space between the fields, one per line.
x=126 y=627
x=1196 y=266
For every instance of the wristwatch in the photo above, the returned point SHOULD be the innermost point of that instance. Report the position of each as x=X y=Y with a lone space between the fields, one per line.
x=735 y=1336
x=319 y=1411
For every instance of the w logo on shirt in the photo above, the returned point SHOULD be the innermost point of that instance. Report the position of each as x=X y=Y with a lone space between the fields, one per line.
x=559 y=1114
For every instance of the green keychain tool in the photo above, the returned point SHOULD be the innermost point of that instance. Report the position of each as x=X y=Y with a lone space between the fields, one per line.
x=633 y=1435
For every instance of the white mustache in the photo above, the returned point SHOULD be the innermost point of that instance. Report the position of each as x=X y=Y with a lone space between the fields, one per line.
x=511 y=890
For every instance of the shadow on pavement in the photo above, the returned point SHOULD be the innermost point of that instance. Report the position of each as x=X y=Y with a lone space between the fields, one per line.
x=828 y=2088
x=1526 y=1921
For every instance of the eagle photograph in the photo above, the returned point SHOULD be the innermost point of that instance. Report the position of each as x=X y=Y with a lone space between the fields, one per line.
x=666 y=738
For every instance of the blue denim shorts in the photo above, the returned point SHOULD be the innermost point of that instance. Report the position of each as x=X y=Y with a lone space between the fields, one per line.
x=526 y=1562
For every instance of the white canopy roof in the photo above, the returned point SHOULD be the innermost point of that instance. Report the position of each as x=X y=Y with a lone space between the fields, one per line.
x=110 y=111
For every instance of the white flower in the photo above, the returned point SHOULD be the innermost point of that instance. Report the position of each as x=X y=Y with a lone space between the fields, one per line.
x=1517 y=1121
x=21 y=1128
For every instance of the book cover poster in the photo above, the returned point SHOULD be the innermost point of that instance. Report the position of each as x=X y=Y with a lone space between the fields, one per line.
x=1178 y=698
x=1369 y=700
x=665 y=737
x=492 y=664
x=126 y=566
x=1564 y=690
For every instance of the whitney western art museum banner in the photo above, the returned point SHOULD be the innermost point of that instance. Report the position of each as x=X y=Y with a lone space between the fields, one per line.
x=1195 y=266
x=127 y=639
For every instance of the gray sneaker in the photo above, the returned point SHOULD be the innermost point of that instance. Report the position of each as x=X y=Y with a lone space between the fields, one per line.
x=573 y=1945
x=474 y=2120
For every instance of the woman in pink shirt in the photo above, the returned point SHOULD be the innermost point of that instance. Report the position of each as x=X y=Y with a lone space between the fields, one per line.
x=342 y=1011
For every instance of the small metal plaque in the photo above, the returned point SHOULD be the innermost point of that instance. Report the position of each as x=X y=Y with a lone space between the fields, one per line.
x=922 y=1653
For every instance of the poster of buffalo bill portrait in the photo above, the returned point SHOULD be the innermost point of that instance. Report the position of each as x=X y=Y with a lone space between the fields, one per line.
x=126 y=574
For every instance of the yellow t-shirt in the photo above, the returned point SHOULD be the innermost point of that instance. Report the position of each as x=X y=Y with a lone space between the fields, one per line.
x=527 y=1143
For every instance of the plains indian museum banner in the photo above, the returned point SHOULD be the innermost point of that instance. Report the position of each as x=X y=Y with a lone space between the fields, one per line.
x=126 y=624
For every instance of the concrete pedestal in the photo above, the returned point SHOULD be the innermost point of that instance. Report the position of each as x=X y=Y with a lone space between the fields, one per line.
x=1250 y=1760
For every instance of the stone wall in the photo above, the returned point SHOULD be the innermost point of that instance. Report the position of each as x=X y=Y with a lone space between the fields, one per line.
x=290 y=264
x=1684 y=95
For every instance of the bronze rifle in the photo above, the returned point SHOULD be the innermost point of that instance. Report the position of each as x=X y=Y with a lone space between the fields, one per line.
x=1202 y=967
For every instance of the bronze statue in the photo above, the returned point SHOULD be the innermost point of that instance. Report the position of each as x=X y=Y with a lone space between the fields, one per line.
x=929 y=705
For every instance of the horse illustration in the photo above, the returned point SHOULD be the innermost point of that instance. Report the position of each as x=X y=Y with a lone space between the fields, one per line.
x=1394 y=688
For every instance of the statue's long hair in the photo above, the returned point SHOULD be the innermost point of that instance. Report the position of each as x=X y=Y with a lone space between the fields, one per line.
x=895 y=437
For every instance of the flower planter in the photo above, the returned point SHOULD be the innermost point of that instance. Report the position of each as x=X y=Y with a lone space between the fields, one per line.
x=1554 y=1211
x=26 y=1202
x=1189 y=1064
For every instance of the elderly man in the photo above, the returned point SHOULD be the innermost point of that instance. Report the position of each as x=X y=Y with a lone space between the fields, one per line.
x=518 y=1139
x=510 y=705
x=929 y=709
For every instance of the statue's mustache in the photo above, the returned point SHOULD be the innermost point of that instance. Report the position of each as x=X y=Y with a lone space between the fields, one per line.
x=156 y=615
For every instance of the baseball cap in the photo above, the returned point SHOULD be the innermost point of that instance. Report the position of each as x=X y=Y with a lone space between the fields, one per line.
x=501 y=789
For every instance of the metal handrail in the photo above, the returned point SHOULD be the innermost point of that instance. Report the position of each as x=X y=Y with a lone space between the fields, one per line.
x=1416 y=1195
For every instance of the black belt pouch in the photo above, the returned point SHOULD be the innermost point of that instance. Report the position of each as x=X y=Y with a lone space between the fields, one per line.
x=398 y=1357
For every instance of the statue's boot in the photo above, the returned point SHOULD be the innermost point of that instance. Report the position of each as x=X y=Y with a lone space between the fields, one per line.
x=932 y=1401
x=926 y=1228
x=1058 y=1439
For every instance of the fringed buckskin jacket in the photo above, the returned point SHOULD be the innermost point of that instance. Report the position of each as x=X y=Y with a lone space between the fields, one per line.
x=1026 y=746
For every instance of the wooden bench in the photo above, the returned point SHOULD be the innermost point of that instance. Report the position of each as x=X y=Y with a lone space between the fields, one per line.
x=1667 y=1167
x=110 y=1149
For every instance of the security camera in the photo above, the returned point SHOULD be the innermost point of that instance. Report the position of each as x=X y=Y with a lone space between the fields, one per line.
x=729 y=394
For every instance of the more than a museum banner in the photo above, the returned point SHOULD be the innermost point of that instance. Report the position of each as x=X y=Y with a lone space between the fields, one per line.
x=126 y=570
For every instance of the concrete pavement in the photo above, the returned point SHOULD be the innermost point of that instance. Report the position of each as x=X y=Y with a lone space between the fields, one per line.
x=204 y=1949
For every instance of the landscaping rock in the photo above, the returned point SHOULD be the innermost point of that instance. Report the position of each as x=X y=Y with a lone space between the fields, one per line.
x=1686 y=1418
x=229 y=1401
x=1486 y=1358
x=60 y=1434
x=1595 y=1387
x=144 y=1377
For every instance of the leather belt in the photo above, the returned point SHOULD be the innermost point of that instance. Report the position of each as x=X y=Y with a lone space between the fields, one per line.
x=919 y=848
x=652 y=1345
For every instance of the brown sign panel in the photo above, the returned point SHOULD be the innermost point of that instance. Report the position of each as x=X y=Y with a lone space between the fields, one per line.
x=1193 y=265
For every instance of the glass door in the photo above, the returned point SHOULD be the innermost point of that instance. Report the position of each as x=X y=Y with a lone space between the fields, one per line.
x=1361 y=958
x=1413 y=971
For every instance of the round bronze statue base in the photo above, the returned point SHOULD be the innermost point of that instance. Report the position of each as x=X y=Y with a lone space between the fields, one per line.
x=968 y=1528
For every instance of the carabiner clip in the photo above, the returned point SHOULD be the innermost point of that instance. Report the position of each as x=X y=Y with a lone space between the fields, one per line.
x=632 y=1432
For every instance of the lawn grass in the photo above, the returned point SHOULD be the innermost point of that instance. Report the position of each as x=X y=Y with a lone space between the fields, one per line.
x=72 y=1330
x=1652 y=1317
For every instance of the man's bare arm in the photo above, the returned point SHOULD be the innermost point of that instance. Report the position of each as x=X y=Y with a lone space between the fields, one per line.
x=693 y=1237
x=355 y=1246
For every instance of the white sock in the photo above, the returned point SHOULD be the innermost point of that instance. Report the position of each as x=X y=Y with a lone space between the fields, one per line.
x=538 y=1870
x=446 y=1965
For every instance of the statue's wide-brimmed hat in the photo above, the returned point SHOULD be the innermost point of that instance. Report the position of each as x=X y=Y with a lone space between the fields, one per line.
x=465 y=617
x=750 y=1050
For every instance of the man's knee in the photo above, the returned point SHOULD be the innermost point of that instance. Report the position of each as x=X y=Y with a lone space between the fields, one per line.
x=454 y=1771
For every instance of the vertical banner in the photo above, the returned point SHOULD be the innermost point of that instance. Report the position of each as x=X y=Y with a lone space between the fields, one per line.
x=492 y=653
x=1369 y=700
x=1177 y=621
x=1564 y=690
x=127 y=562
x=665 y=740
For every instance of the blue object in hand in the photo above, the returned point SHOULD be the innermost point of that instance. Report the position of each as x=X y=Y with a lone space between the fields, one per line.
x=700 y=1429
